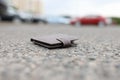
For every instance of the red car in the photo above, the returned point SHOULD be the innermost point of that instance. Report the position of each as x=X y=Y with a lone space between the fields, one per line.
x=91 y=20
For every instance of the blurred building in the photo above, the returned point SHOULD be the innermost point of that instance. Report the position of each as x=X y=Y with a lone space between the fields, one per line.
x=33 y=6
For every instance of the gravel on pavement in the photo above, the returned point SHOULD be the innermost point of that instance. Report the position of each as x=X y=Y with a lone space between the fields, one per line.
x=96 y=57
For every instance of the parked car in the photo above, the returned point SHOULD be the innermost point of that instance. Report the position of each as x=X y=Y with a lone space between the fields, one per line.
x=91 y=20
x=7 y=13
x=57 y=20
x=24 y=16
x=37 y=18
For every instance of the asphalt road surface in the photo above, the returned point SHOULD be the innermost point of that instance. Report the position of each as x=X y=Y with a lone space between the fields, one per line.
x=96 y=57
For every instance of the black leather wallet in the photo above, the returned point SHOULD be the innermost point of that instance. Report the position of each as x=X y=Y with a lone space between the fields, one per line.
x=55 y=41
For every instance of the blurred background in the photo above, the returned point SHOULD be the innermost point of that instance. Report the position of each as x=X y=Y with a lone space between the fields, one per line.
x=72 y=12
x=96 y=24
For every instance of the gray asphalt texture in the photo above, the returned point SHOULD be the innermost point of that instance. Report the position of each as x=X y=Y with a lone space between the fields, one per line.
x=96 y=57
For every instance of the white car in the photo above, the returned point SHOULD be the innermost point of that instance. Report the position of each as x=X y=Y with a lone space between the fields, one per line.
x=57 y=20
x=25 y=16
